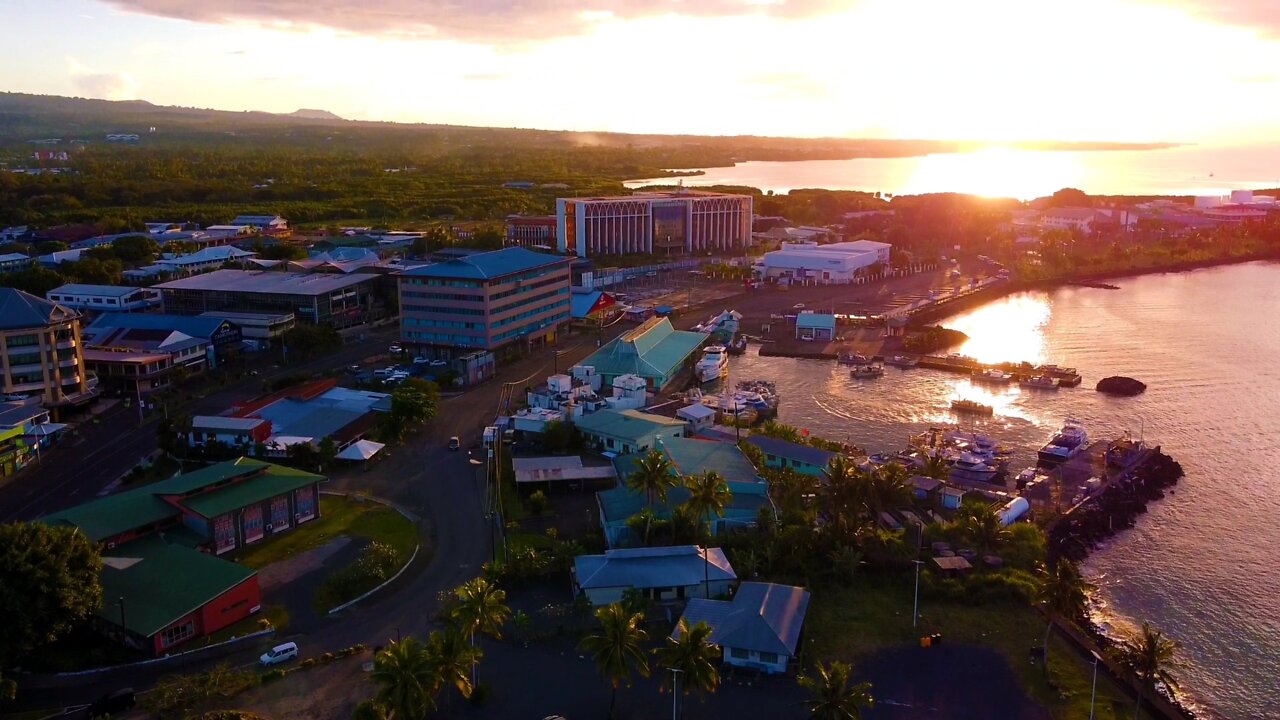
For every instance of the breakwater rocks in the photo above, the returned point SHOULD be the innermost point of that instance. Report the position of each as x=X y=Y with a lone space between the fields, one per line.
x=1115 y=509
x=1121 y=385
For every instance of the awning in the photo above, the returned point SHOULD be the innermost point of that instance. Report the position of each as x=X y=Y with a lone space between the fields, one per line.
x=46 y=429
x=360 y=450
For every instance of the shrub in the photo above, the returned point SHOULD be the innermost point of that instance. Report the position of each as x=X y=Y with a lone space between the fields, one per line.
x=308 y=663
x=272 y=675
x=326 y=658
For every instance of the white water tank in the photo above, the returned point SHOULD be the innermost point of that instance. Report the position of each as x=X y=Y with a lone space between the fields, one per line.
x=1208 y=201
x=1013 y=510
x=1242 y=197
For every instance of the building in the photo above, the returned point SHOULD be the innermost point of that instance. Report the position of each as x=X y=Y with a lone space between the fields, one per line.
x=307 y=413
x=24 y=429
x=759 y=629
x=13 y=262
x=234 y=432
x=680 y=222
x=203 y=260
x=258 y=328
x=809 y=263
x=1068 y=218
x=511 y=298
x=531 y=230
x=162 y=582
x=688 y=457
x=591 y=304
x=321 y=299
x=132 y=373
x=104 y=298
x=272 y=225
x=655 y=351
x=41 y=352
x=786 y=455
x=196 y=342
x=820 y=327
x=627 y=431
x=659 y=573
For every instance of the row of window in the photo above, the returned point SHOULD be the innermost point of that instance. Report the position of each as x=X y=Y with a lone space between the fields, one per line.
x=521 y=331
x=452 y=297
x=525 y=287
x=527 y=314
x=440 y=282
x=454 y=324
x=499 y=309
x=445 y=338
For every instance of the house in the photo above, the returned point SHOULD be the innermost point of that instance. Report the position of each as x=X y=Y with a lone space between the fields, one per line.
x=759 y=629
x=235 y=432
x=820 y=327
x=688 y=457
x=698 y=416
x=783 y=454
x=203 y=260
x=655 y=351
x=13 y=262
x=660 y=573
x=923 y=487
x=627 y=431
x=270 y=225
x=590 y=304
x=162 y=582
x=100 y=298
x=1068 y=218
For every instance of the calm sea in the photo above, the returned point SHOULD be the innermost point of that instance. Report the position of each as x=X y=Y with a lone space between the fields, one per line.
x=1202 y=564
x=1023 y=174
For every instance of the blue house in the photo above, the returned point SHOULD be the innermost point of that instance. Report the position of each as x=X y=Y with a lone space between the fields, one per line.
x=759 y=629
x=780 y=454
x=815 y=326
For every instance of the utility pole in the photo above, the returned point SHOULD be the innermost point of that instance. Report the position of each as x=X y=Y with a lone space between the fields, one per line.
x=915 y=608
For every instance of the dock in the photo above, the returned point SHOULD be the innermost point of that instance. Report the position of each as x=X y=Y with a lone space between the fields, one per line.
x=1066 y=377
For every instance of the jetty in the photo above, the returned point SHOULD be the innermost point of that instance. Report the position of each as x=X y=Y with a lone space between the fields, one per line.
x=1066 y=377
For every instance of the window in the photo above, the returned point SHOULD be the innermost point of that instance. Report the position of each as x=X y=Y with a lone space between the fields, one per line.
x=739 y=654
x=768 y=657
x=173 y=635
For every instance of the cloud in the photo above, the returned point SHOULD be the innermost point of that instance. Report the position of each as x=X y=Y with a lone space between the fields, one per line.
x=101 y=85
x=472 y=20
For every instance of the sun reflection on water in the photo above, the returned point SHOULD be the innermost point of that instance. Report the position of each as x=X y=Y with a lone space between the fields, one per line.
x=1011 y=330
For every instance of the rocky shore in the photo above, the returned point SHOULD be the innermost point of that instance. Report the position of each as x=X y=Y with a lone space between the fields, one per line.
x=1115 y=509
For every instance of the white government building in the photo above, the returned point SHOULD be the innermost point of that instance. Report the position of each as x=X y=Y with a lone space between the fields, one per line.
x=811 y=263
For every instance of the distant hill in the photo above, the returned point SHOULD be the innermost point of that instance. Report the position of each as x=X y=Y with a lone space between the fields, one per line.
x=308 y=114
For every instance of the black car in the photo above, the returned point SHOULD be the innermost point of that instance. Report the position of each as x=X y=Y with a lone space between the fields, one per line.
x=112 y=703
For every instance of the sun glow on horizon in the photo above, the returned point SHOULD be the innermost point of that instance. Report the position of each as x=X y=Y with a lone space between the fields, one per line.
x=996 y=172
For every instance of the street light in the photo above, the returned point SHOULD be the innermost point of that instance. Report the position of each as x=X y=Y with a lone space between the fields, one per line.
x=1094 y=694
x=915 y=608
x=675 y=689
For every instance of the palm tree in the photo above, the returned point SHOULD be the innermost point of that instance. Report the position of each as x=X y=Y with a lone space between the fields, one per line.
x=982 y=526
x=1151 y=657
x=935 y=466
x=844 y=494
x=688 y=653
x=617 y=647
x=887 y=489
x=407 y=680
x=833 y=697
x=654 y=476
x=481 y=608
x=708 y=496
x=1062 y=591
x=454 y=660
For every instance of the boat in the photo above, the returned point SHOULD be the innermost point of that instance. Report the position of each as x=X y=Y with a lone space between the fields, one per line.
x=1039 y=382
x=903 y=361
x=967 y=466
x=976 y=442
x=970 y=406
x=848 y=357
x=873 y=370
x=738 y=346
x=991 y=375
x=714 y=363
x=1065 y=444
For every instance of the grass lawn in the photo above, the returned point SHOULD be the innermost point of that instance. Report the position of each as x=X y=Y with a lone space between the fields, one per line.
x=338 y=516
x=277 y=615
x=875 y=613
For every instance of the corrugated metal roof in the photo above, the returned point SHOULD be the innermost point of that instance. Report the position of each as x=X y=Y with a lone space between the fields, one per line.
x=20 y=310
x=217 y=422
x=195 y=326
x=489 y=265
x=99 y=290
x=792 y=451
x=631 y=425
x=653 y=351
x=267 y=281
x=816 y=321
x=653 y=567
x=764 y=617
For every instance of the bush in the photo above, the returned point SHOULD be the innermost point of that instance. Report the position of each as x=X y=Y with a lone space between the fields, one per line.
x=272 y=675
x=326 y=658
x=308 y=663
x=537 y=503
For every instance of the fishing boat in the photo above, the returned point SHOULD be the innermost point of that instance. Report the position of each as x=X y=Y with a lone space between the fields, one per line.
x=872 y=370
x=991 y=375
x=1039 y=382
x=761 y=395
x=738 y=346
x=973 y=407
x=903 y=361
x=849 y=357
x=967 y=466
x=714 y=363
x=1065 y=444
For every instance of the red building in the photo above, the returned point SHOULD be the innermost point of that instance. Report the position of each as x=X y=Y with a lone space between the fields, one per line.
x=162 y=581
x=531 y=230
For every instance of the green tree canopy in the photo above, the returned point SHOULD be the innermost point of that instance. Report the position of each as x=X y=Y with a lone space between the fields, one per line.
x=49 y=583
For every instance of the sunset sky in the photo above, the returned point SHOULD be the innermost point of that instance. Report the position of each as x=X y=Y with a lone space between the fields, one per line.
x=1123 y=70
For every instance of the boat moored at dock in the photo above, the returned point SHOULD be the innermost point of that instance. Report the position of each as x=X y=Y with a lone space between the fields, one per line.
x=972 y=406
x=1064 y=444
x=871 y=370
x=1039 y=382
x=713 y=365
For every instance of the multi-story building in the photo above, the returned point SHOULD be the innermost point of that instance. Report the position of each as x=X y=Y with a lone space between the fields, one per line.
x=484 y=301
x=320 y=299
x=104 y=298
x=680 y=222
x=530 y=230
x=41 y=353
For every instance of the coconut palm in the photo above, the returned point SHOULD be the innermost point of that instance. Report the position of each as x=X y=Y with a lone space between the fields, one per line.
x=982 y=526
x=654 y=476
x=481 y=608
x=843 y=496
x=690 y=659
x=1151 y=656
x=407 y=680
x=454 y=660
x=936 y=467
x=617 y=647
x=887 y=489
x=708 y=496
x=834 y=698
x=1063 y=593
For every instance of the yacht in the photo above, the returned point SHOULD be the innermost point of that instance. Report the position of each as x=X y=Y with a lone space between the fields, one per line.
x=1039 y=382
x=967 y=466
x=1065 y=444
x=970 y=406
x=992 y=375
x=714 y=363
x=873 y=370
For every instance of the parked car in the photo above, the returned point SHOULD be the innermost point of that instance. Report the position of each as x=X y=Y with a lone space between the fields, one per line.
x=420 y=360
x=455 y=442
x=395 y=349
x=279 y=654
x=798 y=306
x=439 y=363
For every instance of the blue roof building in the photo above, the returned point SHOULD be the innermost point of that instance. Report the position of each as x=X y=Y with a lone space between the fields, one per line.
x=655 y=351
x=661 y=573
x=815 y=326
x=780 y=454
x=759 y=629
x=512 y=298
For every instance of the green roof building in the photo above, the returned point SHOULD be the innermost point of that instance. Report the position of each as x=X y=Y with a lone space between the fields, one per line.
x=655 y=351
x=627 y=431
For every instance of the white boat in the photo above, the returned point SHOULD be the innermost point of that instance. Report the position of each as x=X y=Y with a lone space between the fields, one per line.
x=1039 y=382
x=967 y=466
x=971 y=406
x=873 y=370
x=903 y=361
x=714 y=363
x=1065 y=444
x=980 y=444
x=992 y=375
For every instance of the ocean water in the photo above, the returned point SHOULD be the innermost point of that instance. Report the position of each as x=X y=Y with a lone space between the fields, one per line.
x=1023 y=174
x=1203 y=565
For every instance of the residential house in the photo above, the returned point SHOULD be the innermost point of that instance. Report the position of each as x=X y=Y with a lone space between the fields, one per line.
x=13 y=262
x=784 y=454
x=659 y=573
x=759 y=629
x=627 y=431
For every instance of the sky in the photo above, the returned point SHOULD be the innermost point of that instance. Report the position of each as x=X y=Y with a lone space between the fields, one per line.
x=1204 y=71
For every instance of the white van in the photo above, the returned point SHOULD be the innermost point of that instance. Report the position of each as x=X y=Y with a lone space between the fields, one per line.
x=279 y=654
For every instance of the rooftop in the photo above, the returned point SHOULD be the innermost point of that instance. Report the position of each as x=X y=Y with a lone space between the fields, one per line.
x=632 y=425
x=792 y=451
x=652 y=567
x=267 y=282
x=681 y=194
x=820 y=321
x=20 y=310
x=161 y=583
x=217 y=422
x=653 y=350
x=194 y=326
x=764 y=617
x=488 y=265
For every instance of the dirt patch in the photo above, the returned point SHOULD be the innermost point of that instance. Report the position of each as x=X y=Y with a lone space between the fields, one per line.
x=289 y=570
x=325 y=692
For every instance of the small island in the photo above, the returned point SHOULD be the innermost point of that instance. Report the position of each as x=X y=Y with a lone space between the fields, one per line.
x=1121 y=385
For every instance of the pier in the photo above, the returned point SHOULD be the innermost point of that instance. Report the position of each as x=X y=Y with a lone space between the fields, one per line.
x=1066 y=377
